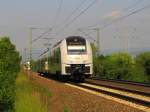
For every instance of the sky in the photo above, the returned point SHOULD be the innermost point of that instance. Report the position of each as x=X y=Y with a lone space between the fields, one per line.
x=132 y=32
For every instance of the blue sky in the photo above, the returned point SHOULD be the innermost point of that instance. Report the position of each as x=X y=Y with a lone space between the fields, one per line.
x=16 y=16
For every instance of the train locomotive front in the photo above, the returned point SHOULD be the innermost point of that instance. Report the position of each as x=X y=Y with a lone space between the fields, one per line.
x=76 y=58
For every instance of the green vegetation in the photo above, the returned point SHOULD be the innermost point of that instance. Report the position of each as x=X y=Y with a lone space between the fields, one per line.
x=29 y=95
x=9 y=68
x=119 y=66
x=66 y=109
x=122 y=66
x=143 y=62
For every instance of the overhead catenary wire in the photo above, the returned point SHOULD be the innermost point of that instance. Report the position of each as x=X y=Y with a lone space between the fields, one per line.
x=82 y=12
x=123 y=10
x=44 y=52
x=55 y=20
x=78 y=8
x=58 y=13
x=76 y=17
x=44 y=33
x=133 y=5
x=73 y=12
x=116 y=20
x=125 y=16
x=87 y=35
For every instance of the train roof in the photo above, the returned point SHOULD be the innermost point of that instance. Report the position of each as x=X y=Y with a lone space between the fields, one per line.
x=75 y=37
x=75 y=40
x=71 y=39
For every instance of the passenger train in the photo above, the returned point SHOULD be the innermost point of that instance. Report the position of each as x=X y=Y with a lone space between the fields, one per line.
x=71 y=58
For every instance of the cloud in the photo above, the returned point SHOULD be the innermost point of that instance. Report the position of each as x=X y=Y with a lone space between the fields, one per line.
x=114 y=14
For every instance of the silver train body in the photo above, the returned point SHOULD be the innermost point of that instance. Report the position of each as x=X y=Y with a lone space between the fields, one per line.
x=75 y=57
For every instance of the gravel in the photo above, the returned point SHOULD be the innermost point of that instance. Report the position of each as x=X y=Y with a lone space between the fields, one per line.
x=68 y=99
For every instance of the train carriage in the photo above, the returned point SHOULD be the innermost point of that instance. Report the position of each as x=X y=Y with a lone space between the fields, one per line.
x=71 y=58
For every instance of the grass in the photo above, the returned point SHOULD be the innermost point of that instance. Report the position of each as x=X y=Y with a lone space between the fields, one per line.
x=28 y=95
x=66 y=109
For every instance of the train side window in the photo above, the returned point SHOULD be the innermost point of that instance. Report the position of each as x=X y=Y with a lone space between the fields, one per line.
x=57 y=55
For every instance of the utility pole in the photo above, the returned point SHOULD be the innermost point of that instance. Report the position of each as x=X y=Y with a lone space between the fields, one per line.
x=98 y=40
x=25 y=55
x=31 y=40
x=125 y=41
x=30 y=45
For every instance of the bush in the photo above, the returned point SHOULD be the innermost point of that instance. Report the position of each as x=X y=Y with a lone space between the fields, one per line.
x=121 y=66
x=9 y=67
x=143 y=60
x=99 y=66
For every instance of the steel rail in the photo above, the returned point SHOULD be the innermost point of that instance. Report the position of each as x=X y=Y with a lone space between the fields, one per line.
x=118 y=95
x=120 y=88
x=123 y=82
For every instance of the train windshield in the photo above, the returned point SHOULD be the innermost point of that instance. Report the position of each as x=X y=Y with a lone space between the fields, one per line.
x=76 y=45
x=76 y=49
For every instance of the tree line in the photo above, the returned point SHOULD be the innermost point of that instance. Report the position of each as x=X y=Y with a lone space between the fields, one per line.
x=9 y=68
x=122 y=66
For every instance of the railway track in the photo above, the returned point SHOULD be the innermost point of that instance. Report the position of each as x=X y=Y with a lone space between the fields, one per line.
x=140 y=98
x=137 y=88
x=136 y=94
x=121 y=81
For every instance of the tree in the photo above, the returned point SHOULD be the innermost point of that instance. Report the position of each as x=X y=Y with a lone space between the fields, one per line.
x=9 y=67
x=143 y=60
x=119 y=66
